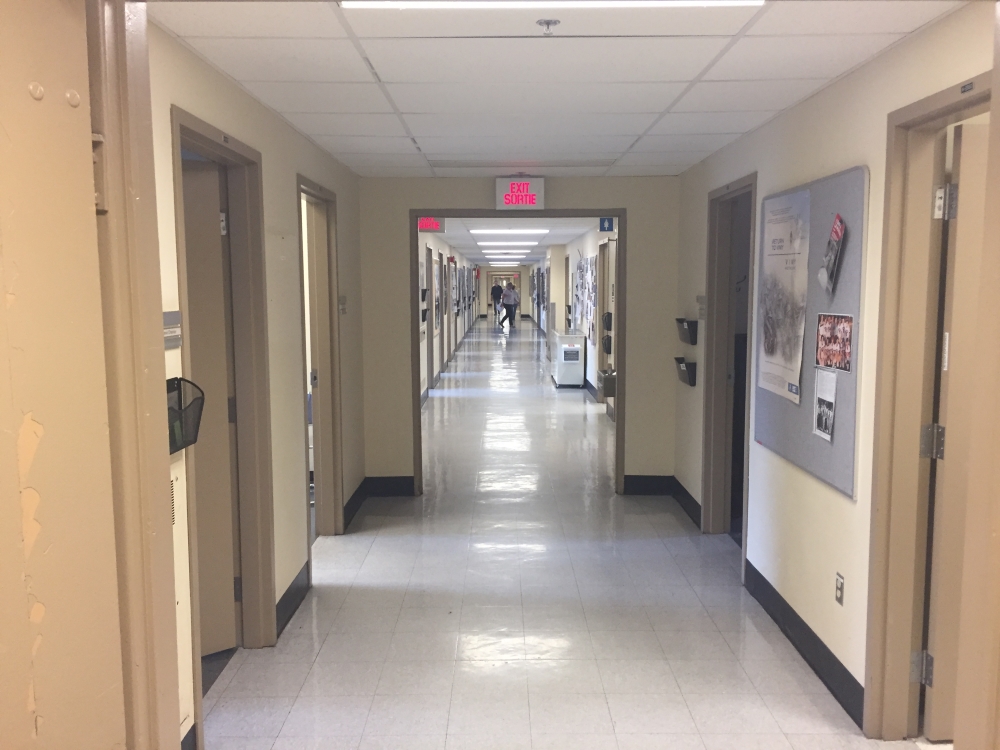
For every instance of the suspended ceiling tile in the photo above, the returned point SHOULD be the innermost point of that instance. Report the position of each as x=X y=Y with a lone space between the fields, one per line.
x=370 y=171
x=347 y=124
x=574 y=21
x=288 y=97
x=730 y=96
x=413 y=160
x=528 y=61
x=526 y=144
x=505 y=171
x=248 y=19
x=362 y=144
x=537 y=98
x=685 y=123
x=590 y=123
x=764 y=57
x=704 y=143
x=821 y=17
x=659 y=158
x=330 y=60
x=631 y=170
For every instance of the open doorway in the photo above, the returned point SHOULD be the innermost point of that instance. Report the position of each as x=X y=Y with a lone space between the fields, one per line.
x=928 y=385
x=726 y=433
x=321 y=327
x=527 y=248
x=222 y=488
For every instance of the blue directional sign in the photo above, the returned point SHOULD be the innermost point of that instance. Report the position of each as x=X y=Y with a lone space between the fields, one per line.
x=608 y=224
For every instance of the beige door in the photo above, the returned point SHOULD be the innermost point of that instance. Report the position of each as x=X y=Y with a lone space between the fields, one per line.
x=320 y=277
x=956 y=403
x=429 y=281
x=213 y=457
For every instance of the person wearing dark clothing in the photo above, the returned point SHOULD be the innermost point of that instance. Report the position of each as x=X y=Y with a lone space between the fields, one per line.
x=511 y=299
x=497 y=293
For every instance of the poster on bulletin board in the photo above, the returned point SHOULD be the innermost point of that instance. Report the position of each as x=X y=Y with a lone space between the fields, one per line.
x=807 y=321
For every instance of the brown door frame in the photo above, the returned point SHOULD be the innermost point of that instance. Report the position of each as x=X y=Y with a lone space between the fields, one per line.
x=253 y=428
x=906 y=344
x=429 y=280
x=128 y=239
x=977 y=715
x=716 y=444
x=621 y=296
x=328 y=452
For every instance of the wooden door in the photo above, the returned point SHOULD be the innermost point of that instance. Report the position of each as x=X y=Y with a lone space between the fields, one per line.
x=958 y=343
x=213 y=470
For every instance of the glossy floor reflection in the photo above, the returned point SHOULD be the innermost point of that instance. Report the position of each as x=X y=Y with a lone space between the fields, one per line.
x=521 y=604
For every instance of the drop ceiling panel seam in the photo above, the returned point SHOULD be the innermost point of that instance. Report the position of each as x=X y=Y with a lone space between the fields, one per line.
x=729 y=45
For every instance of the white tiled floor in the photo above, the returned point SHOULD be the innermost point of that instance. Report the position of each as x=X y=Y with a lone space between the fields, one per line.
x=521 y=604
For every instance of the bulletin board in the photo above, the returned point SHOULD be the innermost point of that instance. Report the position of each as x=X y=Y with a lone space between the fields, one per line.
x=818 y=433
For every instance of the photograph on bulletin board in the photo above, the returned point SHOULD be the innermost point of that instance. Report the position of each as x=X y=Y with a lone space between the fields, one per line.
x=833 y=341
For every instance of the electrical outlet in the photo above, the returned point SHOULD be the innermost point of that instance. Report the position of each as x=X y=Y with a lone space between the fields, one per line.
x=840 y=590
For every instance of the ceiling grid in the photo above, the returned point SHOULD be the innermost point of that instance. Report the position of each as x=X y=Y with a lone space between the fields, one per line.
x=478 y=92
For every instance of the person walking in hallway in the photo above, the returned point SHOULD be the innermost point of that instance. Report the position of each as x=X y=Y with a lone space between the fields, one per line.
x=511 y=299
x=497 y=294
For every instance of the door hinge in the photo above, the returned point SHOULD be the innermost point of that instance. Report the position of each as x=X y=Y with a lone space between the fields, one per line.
x=232 y=410
x=223 y=225
x=932 y=441
x=946 y=201
x=922 y=668
x=314 y=378
x=237 y=589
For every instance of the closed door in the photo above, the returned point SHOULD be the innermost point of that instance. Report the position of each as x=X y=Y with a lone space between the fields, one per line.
x=957 y=345
x=212 y=474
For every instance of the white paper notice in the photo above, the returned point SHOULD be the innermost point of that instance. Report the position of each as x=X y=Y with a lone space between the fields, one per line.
x=782 y=302
x=824 y=405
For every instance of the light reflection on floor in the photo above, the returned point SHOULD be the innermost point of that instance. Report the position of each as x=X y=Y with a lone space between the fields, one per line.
x=521 y=604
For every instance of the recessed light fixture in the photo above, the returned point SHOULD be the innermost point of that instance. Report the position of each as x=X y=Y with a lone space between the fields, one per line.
x=519 y=243
x=507 y=265
x=508 y=231
x=520 y=4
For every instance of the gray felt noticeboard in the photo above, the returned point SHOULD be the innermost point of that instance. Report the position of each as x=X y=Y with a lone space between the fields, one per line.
x=779 y=424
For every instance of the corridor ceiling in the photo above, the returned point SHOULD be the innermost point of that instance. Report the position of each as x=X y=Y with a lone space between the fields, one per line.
x=462 y=92
x=465 y=235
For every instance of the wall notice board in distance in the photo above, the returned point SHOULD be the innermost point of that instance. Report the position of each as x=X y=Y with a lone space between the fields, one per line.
x=790 y=429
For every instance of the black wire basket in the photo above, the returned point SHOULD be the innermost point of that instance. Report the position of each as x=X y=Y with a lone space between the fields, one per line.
x=185 y=403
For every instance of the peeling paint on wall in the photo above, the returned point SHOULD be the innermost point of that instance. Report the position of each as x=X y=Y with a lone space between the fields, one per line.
x=28 y=439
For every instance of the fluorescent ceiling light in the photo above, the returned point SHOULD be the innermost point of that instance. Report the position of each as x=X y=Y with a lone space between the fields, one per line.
x=506 y=244
x=519 y=4
x=504 y=264
x=508 y=231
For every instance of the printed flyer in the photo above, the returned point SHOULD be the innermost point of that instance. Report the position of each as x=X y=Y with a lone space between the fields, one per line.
x=782 y=303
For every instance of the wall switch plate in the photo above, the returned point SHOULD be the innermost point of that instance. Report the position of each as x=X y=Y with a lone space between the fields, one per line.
x=840 y=590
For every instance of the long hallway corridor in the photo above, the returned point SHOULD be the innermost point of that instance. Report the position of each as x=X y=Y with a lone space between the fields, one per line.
x=521 y=604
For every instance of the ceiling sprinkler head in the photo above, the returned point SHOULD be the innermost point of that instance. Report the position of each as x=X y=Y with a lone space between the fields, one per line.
x=547 y=24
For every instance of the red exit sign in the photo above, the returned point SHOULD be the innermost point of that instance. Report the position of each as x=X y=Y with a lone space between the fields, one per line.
x=430 y=224
x=520 y=193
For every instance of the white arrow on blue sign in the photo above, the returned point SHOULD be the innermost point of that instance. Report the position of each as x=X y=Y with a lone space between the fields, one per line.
x=608 y=224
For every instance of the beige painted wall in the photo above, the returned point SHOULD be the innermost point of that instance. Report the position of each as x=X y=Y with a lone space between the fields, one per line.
x=60 y=648
x=652 y=204
x=556 y=260
x=802 y=532
x=178 y=77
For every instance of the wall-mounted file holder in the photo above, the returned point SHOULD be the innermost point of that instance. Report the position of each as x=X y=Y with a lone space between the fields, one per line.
x=423 y=295
x=687 y=330
x=686 y=371
x=185 y=403
x=423 y=315
x=606 y=321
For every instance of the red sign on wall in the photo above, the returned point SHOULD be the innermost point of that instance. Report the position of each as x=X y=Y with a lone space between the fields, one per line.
x=430 y=224
x=520 y=193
